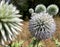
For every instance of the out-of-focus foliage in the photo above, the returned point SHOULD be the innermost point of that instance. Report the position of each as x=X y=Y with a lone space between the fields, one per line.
x=56 y=41
x=16 y=44
x=47 y=2
x=24 y=5
x=36 y=43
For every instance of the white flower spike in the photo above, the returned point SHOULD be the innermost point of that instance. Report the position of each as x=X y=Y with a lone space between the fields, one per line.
x=9 y=22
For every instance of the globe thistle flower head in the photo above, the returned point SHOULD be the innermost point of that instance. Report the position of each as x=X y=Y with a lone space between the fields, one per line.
x=40 y=8
x=42 y=26
x=31 y=10
x=9 y=22
x=52 y=9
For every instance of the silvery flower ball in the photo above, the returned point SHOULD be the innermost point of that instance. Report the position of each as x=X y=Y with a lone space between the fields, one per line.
x=40 y=8
x=31 y=10
x=42 y=26
x=52 y=9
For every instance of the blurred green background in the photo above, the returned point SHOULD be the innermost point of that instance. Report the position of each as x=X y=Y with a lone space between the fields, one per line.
x=24 y=5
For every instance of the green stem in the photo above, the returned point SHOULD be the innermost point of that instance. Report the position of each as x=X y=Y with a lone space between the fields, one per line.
x=37 y=44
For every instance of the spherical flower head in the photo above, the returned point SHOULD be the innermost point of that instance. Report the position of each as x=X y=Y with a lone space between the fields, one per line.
x=42 y=26
x=31 y=10
x=52 y=9
x=40 y=8
x=9 y=22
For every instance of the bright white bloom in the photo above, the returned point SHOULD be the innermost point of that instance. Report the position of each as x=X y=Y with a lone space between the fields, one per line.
x=9 y=22
x=31 y=10
x=42 y=26
x=40 y=8
x=52 y=9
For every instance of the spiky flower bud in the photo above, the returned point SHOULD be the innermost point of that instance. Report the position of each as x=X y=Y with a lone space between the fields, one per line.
x=52 y=9
x=31 y=10
x=9 y=22
x=40 y=8
x=42 y=26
